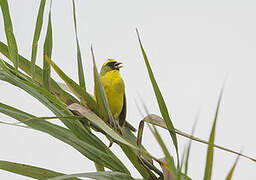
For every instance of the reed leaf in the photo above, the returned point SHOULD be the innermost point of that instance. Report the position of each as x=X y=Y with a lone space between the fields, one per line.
x=37 y=32
x=210 y=151
x=230 y=174
x=160 y=99
x=47 y=52
x=97 y=175
x=188 y=149
x=79 y=57
x=12 y=45
x=30 y=171
x=101 y=96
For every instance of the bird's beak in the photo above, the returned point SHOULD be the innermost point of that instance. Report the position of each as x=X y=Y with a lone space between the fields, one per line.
x=118 y=65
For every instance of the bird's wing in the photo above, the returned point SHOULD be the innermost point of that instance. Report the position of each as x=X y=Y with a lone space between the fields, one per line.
x=122 y=115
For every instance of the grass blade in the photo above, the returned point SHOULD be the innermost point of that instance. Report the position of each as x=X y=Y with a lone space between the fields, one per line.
x=29 y=171
x=210 y=152
x=167 y=175
x=37 y=32
x=12 y=45
x=136 y=157
x=101 y=96
x=132 y=155
x=47 y=52
x=99 y=167
x=230 y=174
x=189 y=147
x=98 y=175
x=79 y=57
x=168 y=157
x=160 y=100
x=12 y=124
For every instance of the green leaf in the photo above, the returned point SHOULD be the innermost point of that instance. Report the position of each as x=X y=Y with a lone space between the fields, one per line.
x=136 y=157
x=100 y=95
x=160 y=100
x=74 y=87
x=230 y=174
x=29 y=171
x=47 y=52
x=12 y=45
x=12 y=124
x=98 y=175
x=168 y=157
x=167 y=175
x=37 y=33
x=66 y=136
x=209 y=158
x=79 y=57
x=188 y=149
x=25 y=65
x=99 y=167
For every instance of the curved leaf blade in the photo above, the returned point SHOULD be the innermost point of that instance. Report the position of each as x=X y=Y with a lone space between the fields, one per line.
x=210 y=151
x=97 y=175
x=168 y=157
x=160 y=99
x=189 y=148
x=12 y=45
x=47 y=52
x=37 y=32
x=101 y=97
x=230 y=174
x=79 y=57
x=30 y=171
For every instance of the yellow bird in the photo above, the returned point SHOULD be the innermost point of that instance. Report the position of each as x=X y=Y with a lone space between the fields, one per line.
x=114 y=88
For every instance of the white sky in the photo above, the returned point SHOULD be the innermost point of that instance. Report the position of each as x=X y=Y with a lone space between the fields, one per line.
x=191 y=45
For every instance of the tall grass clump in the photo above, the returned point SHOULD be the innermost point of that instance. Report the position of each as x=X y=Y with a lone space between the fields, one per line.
x=82 y=116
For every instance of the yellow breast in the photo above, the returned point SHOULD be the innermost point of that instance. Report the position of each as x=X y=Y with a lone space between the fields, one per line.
x=114 y=89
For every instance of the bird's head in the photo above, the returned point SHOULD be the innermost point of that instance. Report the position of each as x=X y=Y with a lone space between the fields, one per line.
x=110 y=65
